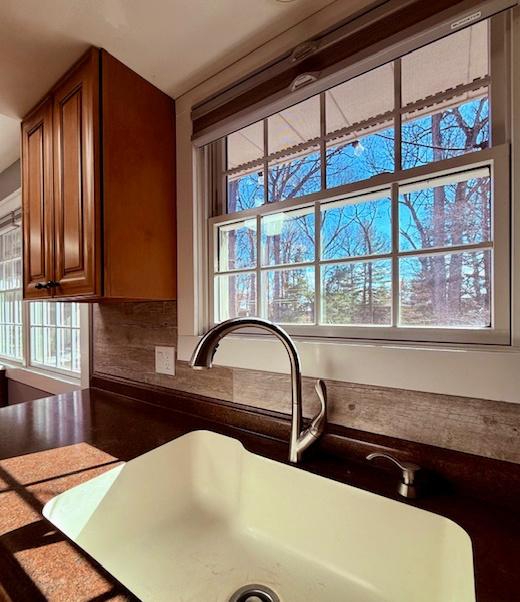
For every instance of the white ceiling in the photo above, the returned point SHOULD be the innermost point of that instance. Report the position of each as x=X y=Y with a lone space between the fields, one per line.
x=175 y=44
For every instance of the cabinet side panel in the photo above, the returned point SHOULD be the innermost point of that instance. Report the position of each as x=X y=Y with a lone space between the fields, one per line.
x=139 y=186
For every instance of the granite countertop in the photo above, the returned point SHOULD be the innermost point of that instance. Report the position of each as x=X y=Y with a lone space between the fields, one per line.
x=50 y=445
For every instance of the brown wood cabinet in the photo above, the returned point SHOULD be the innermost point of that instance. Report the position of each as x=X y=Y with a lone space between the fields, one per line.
x=98 y=187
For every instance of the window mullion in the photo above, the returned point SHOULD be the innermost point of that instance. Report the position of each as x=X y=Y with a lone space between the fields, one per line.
x=259 y=300
x=265 y=162
x=323 y=144
x=397 y=116
x=395 y=255
x=26 y=333
x=317 y=265
x=317 y=211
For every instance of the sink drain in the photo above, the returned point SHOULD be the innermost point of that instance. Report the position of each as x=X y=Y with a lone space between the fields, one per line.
x=254 y=593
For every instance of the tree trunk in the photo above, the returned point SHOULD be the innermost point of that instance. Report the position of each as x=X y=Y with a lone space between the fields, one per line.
x=438 y=281
x=455 y=263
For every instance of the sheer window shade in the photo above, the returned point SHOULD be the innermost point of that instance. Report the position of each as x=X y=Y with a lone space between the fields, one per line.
x=377 y=36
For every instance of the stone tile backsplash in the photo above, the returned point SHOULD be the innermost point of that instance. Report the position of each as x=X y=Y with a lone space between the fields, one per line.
x=124 y=340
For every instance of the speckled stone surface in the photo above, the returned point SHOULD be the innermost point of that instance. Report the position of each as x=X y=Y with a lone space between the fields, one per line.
x=54 y=566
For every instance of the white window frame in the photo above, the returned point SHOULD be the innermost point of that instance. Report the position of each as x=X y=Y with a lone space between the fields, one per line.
x=496 y=157
x=46 y=378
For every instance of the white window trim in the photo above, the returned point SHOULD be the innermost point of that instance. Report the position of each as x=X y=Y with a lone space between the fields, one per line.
x=48 y=379
x=472 y=371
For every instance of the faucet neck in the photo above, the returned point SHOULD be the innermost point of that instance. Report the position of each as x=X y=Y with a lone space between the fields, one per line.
x=203 y=358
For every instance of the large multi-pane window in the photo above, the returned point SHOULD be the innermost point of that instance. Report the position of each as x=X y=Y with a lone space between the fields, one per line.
x=377 y=208
x=43 y=334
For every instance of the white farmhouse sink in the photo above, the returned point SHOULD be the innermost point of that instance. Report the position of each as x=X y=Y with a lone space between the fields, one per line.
x=197 y=518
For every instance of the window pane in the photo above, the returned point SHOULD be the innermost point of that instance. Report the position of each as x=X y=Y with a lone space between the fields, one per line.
x=359 y=157
x=446 y=132
x=356 y=227
x=361 y=98
x=49 y=346
x=454 y=213
x=245 y=145
x=64 y=314
x=295 y=125
x=75 y=315
x=237 y=245
x=245 y=191
x=235 y=296
x=289 y=295
x=451 y=290
x=463 y=56
x=75 y=350
x=36 y=345
x=36 y=312
x=357 y=293
x=64 y=349
x=295 y=176
x=288 y=237
x=49 y=313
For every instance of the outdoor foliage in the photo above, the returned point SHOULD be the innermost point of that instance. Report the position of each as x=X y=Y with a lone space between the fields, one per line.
x=438 y=289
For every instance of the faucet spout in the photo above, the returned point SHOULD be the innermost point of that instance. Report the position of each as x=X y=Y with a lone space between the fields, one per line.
x=202 y=358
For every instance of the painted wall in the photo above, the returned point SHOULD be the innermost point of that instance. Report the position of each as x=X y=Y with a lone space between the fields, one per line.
x=125 y=335
x=10 y=180
x=20 y=392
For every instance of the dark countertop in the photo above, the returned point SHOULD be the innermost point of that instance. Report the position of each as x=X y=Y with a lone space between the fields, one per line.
x=49 y=445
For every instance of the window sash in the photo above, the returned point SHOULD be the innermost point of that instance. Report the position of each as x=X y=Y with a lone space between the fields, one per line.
x=496 y=159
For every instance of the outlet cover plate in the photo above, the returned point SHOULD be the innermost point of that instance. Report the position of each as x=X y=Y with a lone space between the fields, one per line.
x=165 y=360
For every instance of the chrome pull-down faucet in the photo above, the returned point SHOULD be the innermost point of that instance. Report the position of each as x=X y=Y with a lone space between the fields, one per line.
x=202 y=358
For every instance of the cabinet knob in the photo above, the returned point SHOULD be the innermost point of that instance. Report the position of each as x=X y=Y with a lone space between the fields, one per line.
x=50 y=284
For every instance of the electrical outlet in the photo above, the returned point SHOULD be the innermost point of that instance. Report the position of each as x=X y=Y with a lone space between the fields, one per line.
x=165 y=360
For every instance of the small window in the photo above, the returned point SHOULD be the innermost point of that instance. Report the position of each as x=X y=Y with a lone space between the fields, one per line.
x=43 y=334
x=371 y=210
x=11 y=295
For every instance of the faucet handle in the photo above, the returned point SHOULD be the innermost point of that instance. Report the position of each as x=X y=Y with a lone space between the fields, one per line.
x=409 y=471
x=321 y=391
x=317 y=426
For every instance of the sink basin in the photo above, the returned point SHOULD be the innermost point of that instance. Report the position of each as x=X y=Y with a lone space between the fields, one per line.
x=198 y=518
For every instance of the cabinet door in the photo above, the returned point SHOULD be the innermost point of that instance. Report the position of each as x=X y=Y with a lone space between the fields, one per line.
x=76 y=181
x=37 y=196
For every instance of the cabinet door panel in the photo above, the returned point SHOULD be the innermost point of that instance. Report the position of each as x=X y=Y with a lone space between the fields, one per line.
x=76 y=182
x=37 y=191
